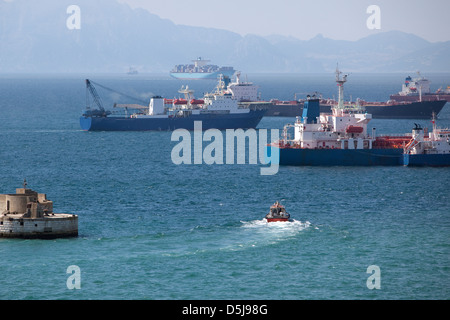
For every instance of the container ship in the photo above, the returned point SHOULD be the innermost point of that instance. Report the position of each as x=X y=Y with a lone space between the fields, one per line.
x=200 y=69
x=217 y=110
x=337 y=139
x=418 y=89
x=132 y=71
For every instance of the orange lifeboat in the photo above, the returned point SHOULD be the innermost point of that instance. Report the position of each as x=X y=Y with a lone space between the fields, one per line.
x=197 y=101
x=354 y=129
x=179 y=101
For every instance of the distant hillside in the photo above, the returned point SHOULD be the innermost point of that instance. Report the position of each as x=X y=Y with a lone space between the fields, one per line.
x=114 y=37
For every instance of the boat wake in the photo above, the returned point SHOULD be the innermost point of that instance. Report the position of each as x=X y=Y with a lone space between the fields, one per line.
x=231 y=237
x=276 y=231
x=291 y=225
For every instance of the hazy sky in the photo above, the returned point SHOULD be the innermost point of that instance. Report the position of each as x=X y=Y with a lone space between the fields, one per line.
x=304 y=19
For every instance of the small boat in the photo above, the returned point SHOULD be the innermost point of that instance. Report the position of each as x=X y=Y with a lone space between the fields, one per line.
x=277 y=213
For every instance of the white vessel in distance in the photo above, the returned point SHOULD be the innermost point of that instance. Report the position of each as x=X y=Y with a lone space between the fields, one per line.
x=246 y=93
x=418 y=89
x=201 y=69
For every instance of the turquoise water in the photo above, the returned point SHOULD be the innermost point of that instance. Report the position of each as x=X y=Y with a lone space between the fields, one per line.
x=149 y=229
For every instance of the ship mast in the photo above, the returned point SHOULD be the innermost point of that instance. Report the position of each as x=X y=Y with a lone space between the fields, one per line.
x=433 y=121
x=340 y=82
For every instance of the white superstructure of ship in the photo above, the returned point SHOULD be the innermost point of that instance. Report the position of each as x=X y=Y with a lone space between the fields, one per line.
x=418 y=89
x=419 y=85
x=428 y=149
x=343 y=129
x=219 y=100
x=243 y=91
x=246 y=93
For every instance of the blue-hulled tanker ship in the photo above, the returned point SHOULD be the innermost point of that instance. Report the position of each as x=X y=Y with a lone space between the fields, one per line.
x=428 y=149
x=337 y=139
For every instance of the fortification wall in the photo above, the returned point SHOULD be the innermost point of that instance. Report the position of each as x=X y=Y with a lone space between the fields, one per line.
x=60 y=225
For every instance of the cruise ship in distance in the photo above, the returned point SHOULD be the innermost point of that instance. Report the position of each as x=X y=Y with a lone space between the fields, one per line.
x=200 y=69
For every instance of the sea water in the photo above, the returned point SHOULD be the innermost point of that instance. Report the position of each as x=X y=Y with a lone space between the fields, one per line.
x=150 y=229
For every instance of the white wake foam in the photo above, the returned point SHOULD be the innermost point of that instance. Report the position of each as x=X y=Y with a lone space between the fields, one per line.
x=283 y=229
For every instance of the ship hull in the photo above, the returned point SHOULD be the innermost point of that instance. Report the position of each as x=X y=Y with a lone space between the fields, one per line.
x=201 y=75
x=340 y=157
x=426 y=160
x=416 y=98
x=413 y=110
x=285 y=110
x=209 y=121
x=277 y=220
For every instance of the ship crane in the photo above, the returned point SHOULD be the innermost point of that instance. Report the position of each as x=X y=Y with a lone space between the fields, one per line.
x=98 y=101
x=188 y=94
x=100 y=112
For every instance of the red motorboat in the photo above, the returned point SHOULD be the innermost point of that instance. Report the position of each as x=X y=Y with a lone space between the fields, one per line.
x=277 y=213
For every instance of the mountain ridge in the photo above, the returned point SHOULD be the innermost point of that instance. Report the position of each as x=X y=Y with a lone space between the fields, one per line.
x=114 y=37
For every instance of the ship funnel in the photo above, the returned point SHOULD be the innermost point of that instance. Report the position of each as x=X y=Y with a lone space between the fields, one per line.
x=311 y=110
x=417 y=132
x=156 y=105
